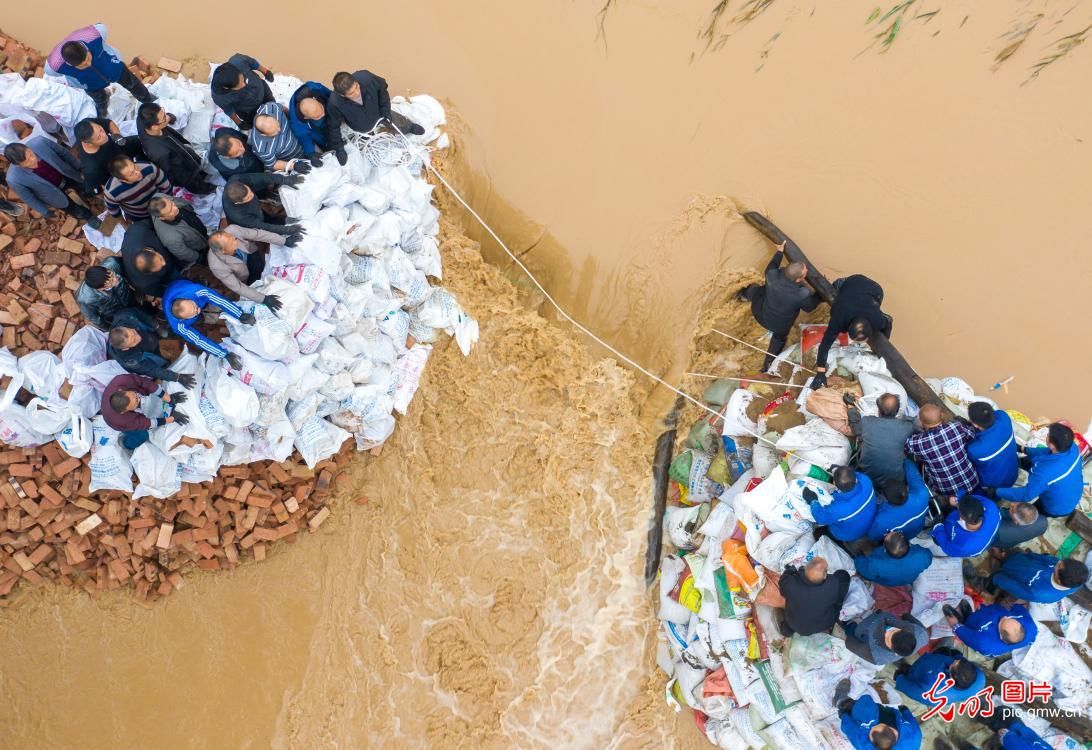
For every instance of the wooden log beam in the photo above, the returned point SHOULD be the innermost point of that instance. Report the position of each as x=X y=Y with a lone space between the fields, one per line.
x=900 y=369
x=661 y=462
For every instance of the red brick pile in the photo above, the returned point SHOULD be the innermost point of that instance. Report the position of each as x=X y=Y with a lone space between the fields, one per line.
x=51 y=527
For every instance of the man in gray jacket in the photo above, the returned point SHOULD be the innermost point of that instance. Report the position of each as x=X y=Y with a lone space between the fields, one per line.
x=881 y=439
x=179 y=228
x=237 y=261
x=104 y=293
x=41 y=170
x=883 y=638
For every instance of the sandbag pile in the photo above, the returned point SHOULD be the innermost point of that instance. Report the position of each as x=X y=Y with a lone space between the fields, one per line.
x=325 y=376
x=737 y=518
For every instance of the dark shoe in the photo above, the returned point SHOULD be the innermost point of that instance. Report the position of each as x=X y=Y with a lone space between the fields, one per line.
x=784 y=628
x=12 y=209
x=406 y=125
x=965 y=609
x=950 y=611
x=741 y=295
x=841 y=692
x=94 y=222
x=940 y=743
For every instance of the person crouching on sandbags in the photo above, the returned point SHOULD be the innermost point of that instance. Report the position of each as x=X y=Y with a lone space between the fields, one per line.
x=856 y=311
x=183 y=303
x=361 y=101
x=777 y=303
x=129 y=399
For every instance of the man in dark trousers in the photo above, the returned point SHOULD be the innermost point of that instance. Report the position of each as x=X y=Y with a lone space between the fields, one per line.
x=99 y=140
x=360 y=100
x=856 y=311
x=89 y=63
x=813 y=599
x=883 y=638
x=777 y=303
x=121 y=408
x=242 y=201
x=238 y=88
x=1020 y=522
x=40 y=172
x=169 y=150
x=134 y=344
x=230 y=154
x=149 y=267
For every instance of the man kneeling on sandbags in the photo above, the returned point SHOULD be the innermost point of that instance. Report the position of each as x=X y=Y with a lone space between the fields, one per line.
x=134 y=404
x=361 y=101
x=183 y=303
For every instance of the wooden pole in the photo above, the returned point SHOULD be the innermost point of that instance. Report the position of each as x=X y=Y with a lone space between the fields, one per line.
x=900 y=369
x=661 y=462
x=1077 y=727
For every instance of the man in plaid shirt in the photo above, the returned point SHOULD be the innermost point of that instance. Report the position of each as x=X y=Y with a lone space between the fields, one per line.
x=941 y=447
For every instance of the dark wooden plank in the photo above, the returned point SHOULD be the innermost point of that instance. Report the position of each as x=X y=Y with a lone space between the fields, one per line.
x=661 y=462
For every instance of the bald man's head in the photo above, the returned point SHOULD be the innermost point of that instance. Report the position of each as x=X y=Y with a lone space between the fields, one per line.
x=1010 y=630
x=931 y=416
x=816 y=570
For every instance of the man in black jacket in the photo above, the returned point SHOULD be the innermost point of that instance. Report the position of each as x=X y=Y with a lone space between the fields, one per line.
x=238 y=89
x=134 y=344
x=169 y=150
x=777 y=303
x=813 y=599
x=360 y=100
x=856 y=311
x=99 y=140
x=149 y=267
x=230 y=153
x=242 y=202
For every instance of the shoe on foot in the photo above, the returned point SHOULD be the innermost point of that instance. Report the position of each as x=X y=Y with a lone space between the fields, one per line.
x=94 y=222
x=841 y=691
x=406 y=125
x=741 y=295
x=965 y=609
x=950 y=611
x=11 y=209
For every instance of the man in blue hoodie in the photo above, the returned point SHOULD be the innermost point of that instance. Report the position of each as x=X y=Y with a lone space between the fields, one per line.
x=994 y=630
x=872 y=726
x=1055 y=475
x=915 y=680
x=896 y=563
x=853 y=508
x=87 y=62
x=1040 y=578
x=307 y=117
x=183 y=303
x=993 y=450
x=969 y=530
x=904 y=507
x=1019 y=736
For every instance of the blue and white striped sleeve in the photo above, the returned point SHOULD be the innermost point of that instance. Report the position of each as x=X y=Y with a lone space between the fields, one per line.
x=202 y=343
x=222 y=302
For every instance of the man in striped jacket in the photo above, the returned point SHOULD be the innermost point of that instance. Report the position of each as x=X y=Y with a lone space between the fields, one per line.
x=132 y=187
x=274 y=142
x=183 y=303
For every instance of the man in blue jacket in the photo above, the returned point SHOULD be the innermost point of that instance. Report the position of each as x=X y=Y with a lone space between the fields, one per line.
x=915 y=680
x=896 y=563
x=89 y=63
x=40 y=172
x=1019 y=736
x=1040 y=578
x=994 y=630
x=853 y=508
x=872 y=726
x=1055 y=476
x=183 y=303
x=307 y=118
x=904 y=507
x=969 y=530
x=993 y=450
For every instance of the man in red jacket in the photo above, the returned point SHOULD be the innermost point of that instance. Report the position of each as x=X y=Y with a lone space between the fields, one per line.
x=121 y=408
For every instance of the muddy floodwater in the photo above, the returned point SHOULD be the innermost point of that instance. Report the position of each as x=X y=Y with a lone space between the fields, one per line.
x=488 y=593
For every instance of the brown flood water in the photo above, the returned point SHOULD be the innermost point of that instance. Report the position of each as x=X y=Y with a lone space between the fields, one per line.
x=489 y=594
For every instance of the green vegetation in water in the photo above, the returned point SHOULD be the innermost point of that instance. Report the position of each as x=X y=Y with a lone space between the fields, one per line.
x=890 y=23
x=1016 y=38
x=1062 y=47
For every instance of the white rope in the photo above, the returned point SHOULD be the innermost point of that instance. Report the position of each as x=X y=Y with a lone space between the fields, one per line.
x=428 y=164
x=757 y=381
x=757 y=349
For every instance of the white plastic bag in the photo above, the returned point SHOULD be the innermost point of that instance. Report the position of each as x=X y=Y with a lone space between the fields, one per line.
x=75 y=439
x=159 y=475
x=317 y=440
x=270 y=336
x=110 y=467
x=263 y=375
